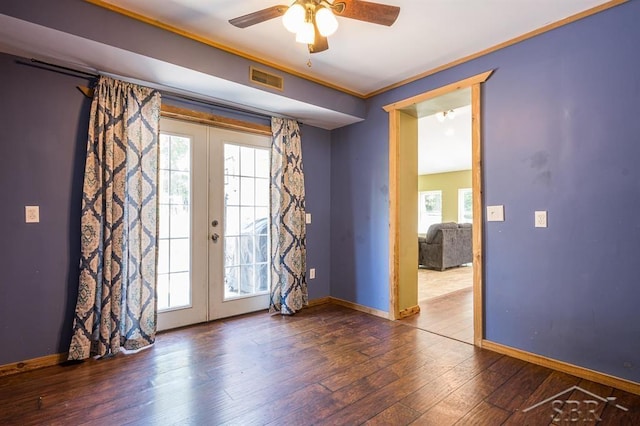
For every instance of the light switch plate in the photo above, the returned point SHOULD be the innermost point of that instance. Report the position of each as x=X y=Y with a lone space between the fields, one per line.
x=540 y=218
x=312 y=273
x=307 y=218
x=31 y=214
x=495 y=213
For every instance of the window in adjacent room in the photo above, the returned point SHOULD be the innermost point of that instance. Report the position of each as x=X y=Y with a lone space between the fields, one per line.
x=429 y=209
x=465 y=205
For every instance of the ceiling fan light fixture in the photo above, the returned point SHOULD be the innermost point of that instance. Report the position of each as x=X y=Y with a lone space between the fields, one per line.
x=326 y=21
x=306 y=33
x=294 y=18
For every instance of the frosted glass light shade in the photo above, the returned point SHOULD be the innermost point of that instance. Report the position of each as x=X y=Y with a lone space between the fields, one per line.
x=293 y=18
x=306 y=33
x=326 y=21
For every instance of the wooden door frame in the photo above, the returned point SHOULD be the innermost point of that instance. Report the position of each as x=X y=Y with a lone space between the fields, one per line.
x=395 y=168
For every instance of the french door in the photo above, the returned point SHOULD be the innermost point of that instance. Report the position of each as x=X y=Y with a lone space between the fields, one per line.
x=213 y=223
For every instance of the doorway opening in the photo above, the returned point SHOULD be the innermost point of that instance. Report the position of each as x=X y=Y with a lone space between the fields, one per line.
x=445 y=215
x=403 y=190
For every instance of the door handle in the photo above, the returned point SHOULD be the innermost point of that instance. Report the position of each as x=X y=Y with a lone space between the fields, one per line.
x=215 y=237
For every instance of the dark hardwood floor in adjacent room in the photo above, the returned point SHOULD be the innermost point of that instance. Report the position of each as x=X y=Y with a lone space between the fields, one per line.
x=327 y=365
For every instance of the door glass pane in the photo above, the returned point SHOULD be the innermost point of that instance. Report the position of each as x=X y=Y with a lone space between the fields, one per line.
x=247 y=161
x=246 y=221
x=247 y=185
x=262 y=277
x=232 y=190
x=262 y=163
x=246 y=250
x=232 y=221
x=180 y=289
x=180 y=221
x=231 y=160
x=262 y=192
x=231 y=250
x=163 y=226
x=246 y=280
x=179 y=255
x=231 y=282
x=261 y=248
x=174 y=256
x=162 y=290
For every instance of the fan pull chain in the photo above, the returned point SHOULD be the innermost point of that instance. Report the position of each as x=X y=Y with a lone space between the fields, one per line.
x=309 y=64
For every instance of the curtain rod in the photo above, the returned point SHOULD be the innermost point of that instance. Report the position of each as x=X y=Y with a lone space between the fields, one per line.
x=168 y=94
x=74 y=70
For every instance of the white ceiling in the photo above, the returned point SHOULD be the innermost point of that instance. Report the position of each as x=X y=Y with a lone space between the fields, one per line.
x=445 y=146
x=364 y=57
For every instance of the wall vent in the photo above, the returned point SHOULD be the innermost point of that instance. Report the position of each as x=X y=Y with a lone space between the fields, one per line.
x=266 y=79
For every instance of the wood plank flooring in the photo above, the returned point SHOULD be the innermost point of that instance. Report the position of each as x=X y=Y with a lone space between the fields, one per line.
x=446 y=303
x=327 y=365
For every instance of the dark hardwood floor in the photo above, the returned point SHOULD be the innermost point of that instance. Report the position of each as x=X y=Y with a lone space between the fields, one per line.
x=327 y=365
x=449 y=315
x=446 y=303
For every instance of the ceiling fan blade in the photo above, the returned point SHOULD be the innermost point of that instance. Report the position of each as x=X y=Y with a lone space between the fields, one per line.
x=259 y=16
x=367 y=11
x=320 y=43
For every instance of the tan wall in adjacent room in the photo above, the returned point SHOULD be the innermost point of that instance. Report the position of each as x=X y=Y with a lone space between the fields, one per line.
x=408 y=204
x=448 y=183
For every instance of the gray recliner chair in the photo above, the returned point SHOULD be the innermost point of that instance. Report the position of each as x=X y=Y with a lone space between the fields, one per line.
x=445 y=245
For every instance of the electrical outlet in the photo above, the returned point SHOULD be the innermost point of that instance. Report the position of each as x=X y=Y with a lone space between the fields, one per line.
x=312 y=273
x=307 y=218
x=540 y=219
x=31 y=214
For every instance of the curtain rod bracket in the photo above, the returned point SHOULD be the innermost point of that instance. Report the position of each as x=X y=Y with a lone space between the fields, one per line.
x=86 y=91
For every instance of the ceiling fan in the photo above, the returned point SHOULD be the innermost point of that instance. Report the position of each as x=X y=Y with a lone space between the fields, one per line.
x=314 y=20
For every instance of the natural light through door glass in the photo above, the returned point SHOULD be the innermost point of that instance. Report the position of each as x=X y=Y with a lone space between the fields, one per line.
x=174 y=259
x=246 y=241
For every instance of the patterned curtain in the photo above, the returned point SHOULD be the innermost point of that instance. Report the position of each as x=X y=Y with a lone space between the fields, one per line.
x=116 y=295
x=288 y=231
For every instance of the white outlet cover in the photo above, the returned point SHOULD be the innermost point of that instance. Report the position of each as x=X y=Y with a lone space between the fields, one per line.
x=540 y=219
x=312 y=273
x=495 y=213
x=32 y=214
x=307 y=218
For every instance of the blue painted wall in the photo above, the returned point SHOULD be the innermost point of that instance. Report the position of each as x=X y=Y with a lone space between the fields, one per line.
x=561 y=133
x=43 y=120
x=360 y=212
x=316 y=155
x=43 y=129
